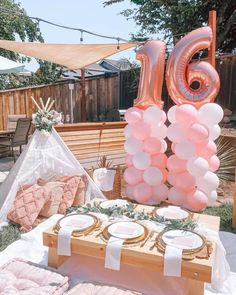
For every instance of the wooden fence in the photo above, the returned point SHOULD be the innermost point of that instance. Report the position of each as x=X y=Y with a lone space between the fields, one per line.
x=101 y=94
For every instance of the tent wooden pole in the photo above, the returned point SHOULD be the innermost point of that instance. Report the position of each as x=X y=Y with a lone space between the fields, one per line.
x=212 y=49
x=83 y=98
x=234 y=204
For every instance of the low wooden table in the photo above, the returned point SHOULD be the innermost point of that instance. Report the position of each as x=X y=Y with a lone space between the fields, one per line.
x=197 y=271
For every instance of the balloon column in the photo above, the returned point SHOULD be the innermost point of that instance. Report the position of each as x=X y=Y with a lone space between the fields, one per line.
x=192 y=130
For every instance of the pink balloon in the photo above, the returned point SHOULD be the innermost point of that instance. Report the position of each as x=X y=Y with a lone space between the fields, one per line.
x=133 y=115
x=176 y=132
x=197 y=166
x=173 y=146
x=159 y=131
x=198 y=133
x=141 y=130
x=133 y=176
x=185 y=182
x=129 y=191
x=159 y=160
x=163 y=146
x=153 y=176
x=164 y=174
x=171 y=114
x=128 y=131
x=175 y=196
x=172 y=178
x=128 y=160
x=185 y=150
x=208 y=182
x=133 y=146
x=186 y=114
x=141 y=160
x=160 y=193
x=152 y=145
x=197 y=200
x=207 y=150
x=175 y=164
x=164 y=117
x=142 y=192
x=214 y=163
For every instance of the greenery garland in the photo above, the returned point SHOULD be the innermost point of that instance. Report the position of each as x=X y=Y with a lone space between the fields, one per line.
x=130 y=212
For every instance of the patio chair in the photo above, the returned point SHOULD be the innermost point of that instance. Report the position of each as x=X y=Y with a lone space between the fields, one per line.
x=12 y=121
x=19 y=137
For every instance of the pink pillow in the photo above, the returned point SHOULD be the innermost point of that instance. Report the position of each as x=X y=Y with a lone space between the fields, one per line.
x=73 y=185
x=27 y=205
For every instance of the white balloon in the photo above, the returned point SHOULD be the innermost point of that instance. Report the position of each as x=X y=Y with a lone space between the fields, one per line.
x=176 y=133
x=163 y=146
x=159 y=131
x=133 y=146
x=210 y=114
x=214 y=132
x=175 y=196
x=129 y=191
x=153 y=115
x=128 y=131
x=197 y=166
x=141 y=160
x=171 y=114
x=185 y=150
x=153 y=176
x=208 y=182
x=212 y=197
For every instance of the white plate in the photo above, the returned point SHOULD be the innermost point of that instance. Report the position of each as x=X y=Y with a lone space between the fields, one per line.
x=77 y=221
x=126 y=230
x=184 y=240
x=111 y=203
x=172 y=212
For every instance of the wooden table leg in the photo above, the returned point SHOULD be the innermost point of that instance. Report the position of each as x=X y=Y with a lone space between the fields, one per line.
x=195 y=287
x=54 y=260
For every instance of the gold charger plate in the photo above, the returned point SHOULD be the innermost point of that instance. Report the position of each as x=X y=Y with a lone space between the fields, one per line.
x=80 y=232
x=133 y=241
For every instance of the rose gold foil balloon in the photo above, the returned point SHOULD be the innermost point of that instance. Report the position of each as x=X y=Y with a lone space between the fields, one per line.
x=152 y=57
x=180 y=74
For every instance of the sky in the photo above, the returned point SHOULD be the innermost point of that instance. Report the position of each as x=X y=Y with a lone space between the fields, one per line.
x=86 y=14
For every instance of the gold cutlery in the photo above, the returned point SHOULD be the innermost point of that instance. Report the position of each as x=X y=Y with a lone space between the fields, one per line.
x=149 y=236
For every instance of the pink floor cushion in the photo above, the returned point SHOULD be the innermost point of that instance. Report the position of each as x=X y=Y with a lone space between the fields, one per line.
x=25 y=278
x=27 y=205
x=94 y=289
x=72 y=191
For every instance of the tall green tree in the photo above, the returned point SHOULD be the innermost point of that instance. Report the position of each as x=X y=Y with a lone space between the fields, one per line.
x=174 y=17
x=16 y=25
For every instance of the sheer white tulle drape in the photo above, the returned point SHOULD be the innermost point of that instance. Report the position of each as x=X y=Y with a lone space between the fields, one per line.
x=44 y=157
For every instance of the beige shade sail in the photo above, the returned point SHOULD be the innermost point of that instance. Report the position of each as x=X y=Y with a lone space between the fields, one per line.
x=72 y=56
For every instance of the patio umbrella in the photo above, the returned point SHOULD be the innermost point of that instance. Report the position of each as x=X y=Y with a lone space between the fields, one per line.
x=8 y=66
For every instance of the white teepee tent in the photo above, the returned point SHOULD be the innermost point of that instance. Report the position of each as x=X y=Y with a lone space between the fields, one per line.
x=44 y=156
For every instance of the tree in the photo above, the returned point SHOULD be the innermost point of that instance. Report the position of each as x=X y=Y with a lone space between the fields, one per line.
x=175 y=17
x=15 y=25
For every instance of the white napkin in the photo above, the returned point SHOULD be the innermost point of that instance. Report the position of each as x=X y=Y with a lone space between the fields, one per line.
x=63 y=240
x=104 y=178
x=113 y=253
x=172 y=261
x=220 y=269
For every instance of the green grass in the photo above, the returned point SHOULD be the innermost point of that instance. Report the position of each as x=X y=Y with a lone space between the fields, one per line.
x=225 y=212
x=8 y=234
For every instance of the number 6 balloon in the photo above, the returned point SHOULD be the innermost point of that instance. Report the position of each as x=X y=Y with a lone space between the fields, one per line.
x=180 y=74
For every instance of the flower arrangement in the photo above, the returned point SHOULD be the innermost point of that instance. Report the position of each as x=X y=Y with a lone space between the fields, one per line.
x=45 y=119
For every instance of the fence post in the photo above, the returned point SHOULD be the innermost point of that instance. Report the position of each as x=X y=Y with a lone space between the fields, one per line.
x=234 y=204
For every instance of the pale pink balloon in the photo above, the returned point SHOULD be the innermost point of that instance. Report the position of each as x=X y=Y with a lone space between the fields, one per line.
x=159 y=160
x=133 y=146
x=214 y=163
x=133 y=176
x=163 y=146
x=153 y=176
x=173 y=146
x=186 y=114
x=207 y=150
x=185 y=150
x=210 y=114
x=185 y=182
x=152 y=145
x=171 y=114
x=197 y=200
x=128 y=131
x=128 y=160
x=129 y=191
x=164 y=117
x=133 y=115
x=142 y=192
x=159 y=131
x=198 y=133
x=160 y=193
x=164 y=174
x=141 y=160
x=175 y=164
x=141 y=131
x=214 y=132
x=153 y=115
x=212 y=198
x=176 y=132
x=208 y=182
x=172 y=178
x=175 y=196
x=197 y=166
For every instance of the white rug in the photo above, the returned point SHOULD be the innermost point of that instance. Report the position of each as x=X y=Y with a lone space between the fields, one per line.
x=30 y=247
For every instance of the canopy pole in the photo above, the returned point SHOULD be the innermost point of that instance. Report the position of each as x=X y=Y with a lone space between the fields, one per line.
x=212 y=49
x=83 y=99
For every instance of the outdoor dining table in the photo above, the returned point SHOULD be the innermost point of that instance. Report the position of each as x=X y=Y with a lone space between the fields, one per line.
x=196 y=271
x=7 y=132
